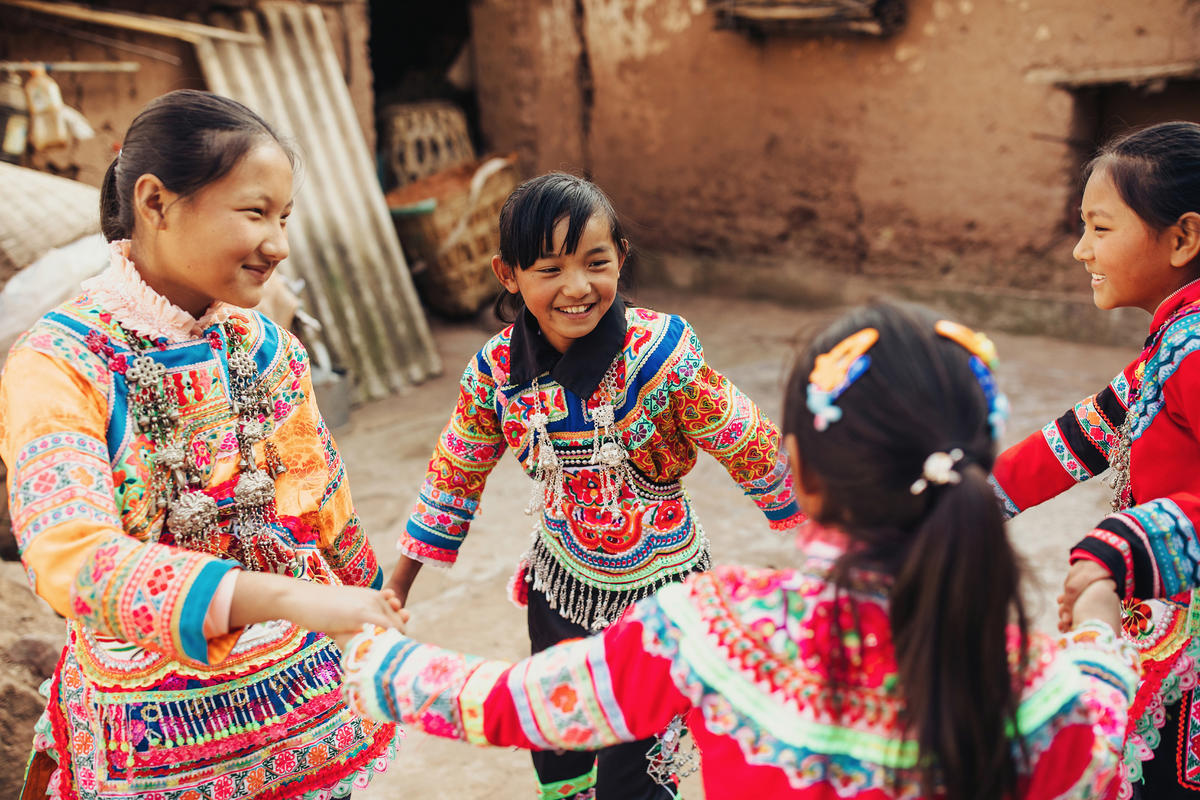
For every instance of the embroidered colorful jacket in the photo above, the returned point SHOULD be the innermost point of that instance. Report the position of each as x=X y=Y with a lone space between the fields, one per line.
x=669 y=402
x=142 y=704
x=1151 y=547
x=746 y=653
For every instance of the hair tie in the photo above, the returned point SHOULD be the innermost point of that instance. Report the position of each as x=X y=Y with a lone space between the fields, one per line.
x=939 y=469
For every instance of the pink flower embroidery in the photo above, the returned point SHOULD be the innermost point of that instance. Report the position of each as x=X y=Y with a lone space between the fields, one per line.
x=281 y=409
x=344 y=737
x=285 y=762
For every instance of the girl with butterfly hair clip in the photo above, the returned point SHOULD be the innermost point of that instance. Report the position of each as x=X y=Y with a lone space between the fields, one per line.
x=844 y=675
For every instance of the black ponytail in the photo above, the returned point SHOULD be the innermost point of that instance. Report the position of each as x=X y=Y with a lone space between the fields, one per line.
x=188 y=139
x=956 y=591
x=955 y=594
x=110 y=207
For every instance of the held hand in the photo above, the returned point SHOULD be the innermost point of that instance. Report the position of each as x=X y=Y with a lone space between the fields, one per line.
x=345 y=609
x=1099 y=601
x=1083 y=573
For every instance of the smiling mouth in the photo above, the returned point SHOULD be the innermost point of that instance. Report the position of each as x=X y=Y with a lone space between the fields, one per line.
x=575 y=311
x=1098 y=278
x=259 y=269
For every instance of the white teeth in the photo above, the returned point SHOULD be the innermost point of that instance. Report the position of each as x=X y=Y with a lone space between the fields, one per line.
x=573 y=309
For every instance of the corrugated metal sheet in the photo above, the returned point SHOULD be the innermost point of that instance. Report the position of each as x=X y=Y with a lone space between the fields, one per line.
x=342 y=240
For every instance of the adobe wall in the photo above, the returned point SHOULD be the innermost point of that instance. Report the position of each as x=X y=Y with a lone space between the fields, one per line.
x=110 y=101
x=927 y=156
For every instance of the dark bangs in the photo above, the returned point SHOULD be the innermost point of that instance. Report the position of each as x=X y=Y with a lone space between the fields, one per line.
x=532 y=211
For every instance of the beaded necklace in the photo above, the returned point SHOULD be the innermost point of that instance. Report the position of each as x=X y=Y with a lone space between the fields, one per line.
x=1118 y=461
x=191 y=513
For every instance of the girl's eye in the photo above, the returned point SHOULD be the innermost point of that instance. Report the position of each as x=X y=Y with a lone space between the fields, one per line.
x=257 y=211
x=603 y=263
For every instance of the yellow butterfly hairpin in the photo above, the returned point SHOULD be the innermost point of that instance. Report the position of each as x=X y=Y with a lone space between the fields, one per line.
x=833 y=372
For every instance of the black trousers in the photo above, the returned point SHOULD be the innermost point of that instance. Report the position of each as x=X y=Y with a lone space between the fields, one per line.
x=620 y=769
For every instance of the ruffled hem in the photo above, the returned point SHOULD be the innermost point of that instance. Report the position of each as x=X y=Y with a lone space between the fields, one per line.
x=426 y=553
x=794 y=521
x=121 y=290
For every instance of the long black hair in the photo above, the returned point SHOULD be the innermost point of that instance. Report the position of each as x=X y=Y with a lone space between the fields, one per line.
x=956 y=578
x=1156 y=170
x=529 y=216
x=186 y=138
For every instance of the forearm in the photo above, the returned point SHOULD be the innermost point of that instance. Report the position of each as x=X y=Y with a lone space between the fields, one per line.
x=262 y=596
x=403 y=576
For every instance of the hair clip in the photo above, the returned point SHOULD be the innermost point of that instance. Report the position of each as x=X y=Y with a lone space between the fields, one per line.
x=973 y=341
x=939 y=469
x=983 y=361
x=833 y=372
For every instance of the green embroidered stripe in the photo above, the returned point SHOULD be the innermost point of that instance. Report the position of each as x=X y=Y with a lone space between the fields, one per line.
x=1060 y=688
x=715 y=670
x=571 y=786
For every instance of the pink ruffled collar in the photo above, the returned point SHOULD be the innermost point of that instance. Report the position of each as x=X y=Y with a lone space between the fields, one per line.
x=121 y=290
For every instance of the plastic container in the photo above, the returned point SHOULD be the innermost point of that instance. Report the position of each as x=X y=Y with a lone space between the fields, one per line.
x=47 y=123
x=14 y=119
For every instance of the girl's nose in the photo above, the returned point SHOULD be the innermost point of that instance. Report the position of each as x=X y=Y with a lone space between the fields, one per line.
x=275 y=246
x=578 y=284
x=1081 y=250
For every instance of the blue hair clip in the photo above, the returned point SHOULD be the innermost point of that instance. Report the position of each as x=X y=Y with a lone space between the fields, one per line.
x=833 y=372
x=983 y=360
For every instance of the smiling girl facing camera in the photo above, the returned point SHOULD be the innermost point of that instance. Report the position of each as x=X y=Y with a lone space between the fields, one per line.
x=166 y=459
x=605 y=406
x=892 y=662
x=1140 y=246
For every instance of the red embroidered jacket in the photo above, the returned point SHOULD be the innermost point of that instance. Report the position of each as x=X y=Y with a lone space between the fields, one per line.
x=745 y=653
x=1150 y=547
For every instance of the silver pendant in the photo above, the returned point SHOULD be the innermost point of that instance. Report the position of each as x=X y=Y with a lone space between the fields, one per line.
x=191 y=514
x=254 y=489
x=145 y=371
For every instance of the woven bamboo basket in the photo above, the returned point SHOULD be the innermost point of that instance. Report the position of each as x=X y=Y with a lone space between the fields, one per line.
x=420 y=139
x=447 y=224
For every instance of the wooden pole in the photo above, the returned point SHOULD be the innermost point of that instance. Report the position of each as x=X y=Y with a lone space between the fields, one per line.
x=70 y=66
x=146 y=23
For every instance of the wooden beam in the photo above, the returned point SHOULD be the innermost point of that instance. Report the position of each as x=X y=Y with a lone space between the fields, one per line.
x=1075 y=79
x=71 y=66
x=145 y=23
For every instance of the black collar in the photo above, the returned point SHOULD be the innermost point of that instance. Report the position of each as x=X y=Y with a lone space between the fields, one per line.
x=582 y=367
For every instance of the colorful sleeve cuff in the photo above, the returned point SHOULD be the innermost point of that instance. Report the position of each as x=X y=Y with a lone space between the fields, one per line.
x=424 y=552
x=196 y=605
x=1101 y=653
x=216 y=621
x=1115 y=545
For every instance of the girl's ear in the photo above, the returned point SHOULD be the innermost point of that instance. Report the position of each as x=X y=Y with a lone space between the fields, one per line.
x=150 y=201
x=504 y=274
x=1185 y=244
x=622 y=252
x=805 y=484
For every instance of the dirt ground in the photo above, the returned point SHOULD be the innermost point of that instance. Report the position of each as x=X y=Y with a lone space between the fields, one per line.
x=386 y=445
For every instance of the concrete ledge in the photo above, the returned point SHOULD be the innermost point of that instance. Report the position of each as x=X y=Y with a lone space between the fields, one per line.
x=1065 y=316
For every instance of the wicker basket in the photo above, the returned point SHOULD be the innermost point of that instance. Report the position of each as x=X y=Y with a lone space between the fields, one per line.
x=448 y=225
x=420 y=139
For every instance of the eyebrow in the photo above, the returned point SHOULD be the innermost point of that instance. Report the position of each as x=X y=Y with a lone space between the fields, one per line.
x=1095 y=212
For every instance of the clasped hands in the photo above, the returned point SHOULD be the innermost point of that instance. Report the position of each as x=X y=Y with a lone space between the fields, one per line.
x=1089 y=592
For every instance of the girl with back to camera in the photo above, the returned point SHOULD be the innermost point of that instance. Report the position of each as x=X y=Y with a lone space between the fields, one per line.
x=166 y=460
x=1141 y=237
x=605 y=406
x=892 y=662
